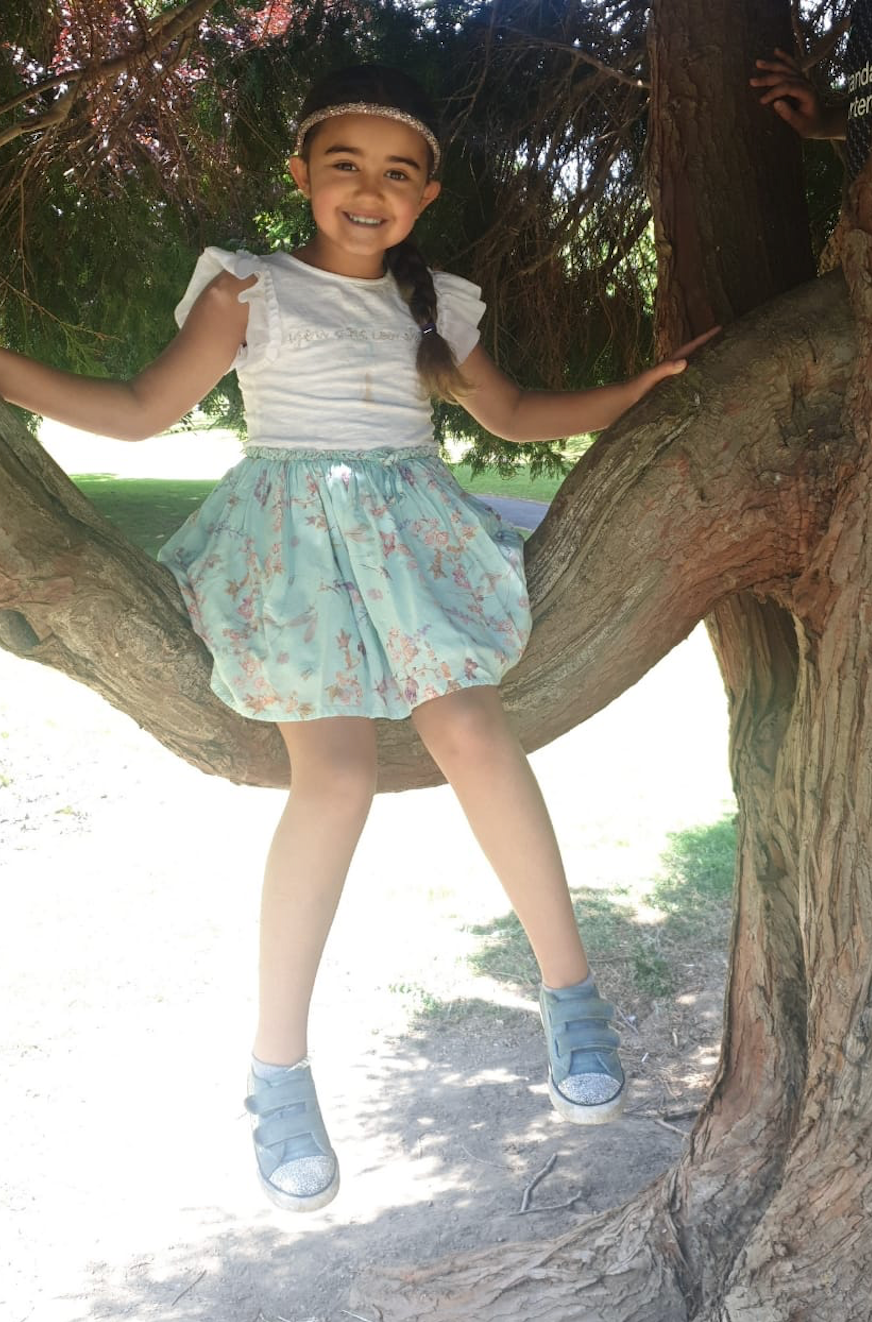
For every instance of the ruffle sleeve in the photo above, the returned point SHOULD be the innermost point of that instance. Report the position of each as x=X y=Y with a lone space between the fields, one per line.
x=459 y=309
x=263 y=333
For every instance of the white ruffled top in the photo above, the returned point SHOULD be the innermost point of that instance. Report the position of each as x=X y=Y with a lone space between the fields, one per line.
x=329 y=360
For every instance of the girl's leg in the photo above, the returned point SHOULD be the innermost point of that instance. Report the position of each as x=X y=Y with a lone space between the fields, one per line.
x=333 y=768
x=470 y=740
x=468 y=735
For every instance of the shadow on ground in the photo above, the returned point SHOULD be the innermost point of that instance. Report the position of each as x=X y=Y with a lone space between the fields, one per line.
x=637 y=955
x=440 y=1133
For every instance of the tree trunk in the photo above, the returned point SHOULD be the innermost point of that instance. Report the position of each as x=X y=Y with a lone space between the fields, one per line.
x=730 y=218
x=778 y=1130
x=811 y=1253
x=767 y=1216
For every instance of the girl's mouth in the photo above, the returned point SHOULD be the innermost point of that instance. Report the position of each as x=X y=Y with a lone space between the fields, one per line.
x=372 y=221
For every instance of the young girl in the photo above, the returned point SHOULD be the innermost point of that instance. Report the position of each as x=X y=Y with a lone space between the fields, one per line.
x=339 y=574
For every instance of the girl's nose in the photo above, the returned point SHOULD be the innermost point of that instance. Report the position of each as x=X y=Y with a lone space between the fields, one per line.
x=369 y=185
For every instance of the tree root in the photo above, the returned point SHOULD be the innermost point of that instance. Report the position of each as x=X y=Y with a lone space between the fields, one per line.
x=622 y=1266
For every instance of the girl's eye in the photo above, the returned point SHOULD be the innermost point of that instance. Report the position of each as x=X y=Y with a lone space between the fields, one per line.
x=397 y=174
x=345 y=165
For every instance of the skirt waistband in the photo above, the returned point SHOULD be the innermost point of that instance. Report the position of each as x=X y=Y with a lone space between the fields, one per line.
x=383 y=455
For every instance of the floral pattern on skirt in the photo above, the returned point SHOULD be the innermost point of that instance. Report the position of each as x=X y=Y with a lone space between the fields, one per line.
x=341 y=583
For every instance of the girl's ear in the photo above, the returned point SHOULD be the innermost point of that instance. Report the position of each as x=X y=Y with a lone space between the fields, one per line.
x=431 y=191
x=300 y=174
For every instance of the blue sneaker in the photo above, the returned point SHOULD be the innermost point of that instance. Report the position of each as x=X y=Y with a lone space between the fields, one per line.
x=297 y=1167
x=586 y=1083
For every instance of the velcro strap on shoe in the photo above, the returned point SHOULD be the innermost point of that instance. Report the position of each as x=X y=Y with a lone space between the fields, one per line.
x=581 y=1007
x=595 y=1036
x=289 y=1124
x=296 y=1088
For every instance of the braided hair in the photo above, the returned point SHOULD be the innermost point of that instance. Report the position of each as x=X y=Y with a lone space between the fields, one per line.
x=379 y=85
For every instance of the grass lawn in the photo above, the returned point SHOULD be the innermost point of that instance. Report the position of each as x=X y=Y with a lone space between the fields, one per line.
x=519 y=486
x=645 y=925
x=148 y=510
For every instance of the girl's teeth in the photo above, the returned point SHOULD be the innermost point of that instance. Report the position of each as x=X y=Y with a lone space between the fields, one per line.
x=363 y=220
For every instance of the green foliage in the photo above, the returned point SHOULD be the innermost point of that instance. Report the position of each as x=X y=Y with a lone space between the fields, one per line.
x=543 y=199
x=651 y=971
x=825 y=174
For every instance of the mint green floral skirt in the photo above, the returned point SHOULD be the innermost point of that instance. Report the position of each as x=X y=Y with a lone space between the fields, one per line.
x=335 y=583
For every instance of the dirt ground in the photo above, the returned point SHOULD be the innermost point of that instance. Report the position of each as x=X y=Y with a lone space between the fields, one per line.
x=127 y=954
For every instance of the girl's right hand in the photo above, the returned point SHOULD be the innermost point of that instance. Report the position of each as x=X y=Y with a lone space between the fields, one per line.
x=792 y=96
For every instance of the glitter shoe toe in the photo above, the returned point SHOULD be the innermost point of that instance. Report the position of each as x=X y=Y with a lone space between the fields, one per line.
x=297 y=1167
x=586 y=1083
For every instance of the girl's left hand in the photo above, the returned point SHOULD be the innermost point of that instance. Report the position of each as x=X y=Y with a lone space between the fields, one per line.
x=675 y=363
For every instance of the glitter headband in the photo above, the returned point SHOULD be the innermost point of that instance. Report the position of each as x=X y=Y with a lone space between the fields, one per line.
x=369 y=108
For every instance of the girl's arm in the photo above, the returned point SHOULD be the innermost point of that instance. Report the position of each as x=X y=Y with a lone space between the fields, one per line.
x=156 y=397
x=540 y=415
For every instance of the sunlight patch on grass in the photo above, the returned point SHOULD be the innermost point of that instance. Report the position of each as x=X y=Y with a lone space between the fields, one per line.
x=642 y=930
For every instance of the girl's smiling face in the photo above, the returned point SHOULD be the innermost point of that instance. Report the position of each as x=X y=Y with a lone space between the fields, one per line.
x=368 y=181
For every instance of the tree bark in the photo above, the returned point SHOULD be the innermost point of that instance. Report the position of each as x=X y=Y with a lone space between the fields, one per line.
x=75 y=595
x=811 y=1253
x=730 y=217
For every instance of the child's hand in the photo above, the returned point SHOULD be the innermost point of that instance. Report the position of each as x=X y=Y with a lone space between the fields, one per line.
x=792 y=96
x=674 y=364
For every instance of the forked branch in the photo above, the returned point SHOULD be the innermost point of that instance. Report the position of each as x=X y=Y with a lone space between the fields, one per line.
x=720 y=482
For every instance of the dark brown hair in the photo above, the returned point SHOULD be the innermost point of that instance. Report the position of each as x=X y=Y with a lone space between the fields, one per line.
x=376 y=84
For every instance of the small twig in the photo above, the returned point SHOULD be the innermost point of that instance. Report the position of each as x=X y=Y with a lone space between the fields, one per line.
x=690 y=1114
x=664 y=1124
x=822 y=49
x=552 y=1207
x=364 y=1319
x=187 y=1289
x=498 y=1166
x=623 y=1018
x=546 y=1170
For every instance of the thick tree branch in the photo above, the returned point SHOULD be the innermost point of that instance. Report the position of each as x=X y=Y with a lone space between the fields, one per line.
x=693 y=496
x=75 y=595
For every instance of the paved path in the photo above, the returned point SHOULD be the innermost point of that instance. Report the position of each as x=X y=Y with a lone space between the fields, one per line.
x=526 y=514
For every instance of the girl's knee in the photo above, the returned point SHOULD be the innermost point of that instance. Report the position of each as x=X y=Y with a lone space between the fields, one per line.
x=347 y=782
x=335 y=765
x=468 y=730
